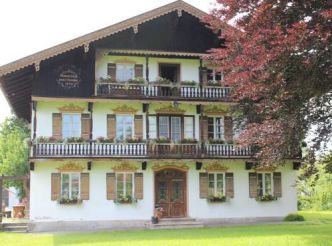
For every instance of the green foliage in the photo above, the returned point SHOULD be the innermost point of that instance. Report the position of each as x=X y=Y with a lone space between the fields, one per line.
x=14 y=150
x=315 y=191
x=294 y=217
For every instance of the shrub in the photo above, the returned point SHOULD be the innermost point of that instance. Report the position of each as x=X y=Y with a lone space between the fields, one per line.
x=294 y=217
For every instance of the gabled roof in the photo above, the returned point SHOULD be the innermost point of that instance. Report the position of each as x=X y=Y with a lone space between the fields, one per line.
x=85 y=40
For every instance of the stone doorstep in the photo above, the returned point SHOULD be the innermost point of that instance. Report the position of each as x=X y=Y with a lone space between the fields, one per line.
x=15 y=227
x=176 y=223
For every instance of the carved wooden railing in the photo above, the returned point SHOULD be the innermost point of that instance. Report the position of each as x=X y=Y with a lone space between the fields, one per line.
x=159 y=91
x=152 y=150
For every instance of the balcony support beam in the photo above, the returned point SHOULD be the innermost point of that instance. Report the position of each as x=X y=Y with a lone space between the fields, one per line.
x=147 y=68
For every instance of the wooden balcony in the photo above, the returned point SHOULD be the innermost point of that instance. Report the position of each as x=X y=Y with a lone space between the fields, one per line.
x=138 y=150
x=150 y=91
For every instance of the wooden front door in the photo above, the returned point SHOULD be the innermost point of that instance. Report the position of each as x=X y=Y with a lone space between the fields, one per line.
x=170 y=192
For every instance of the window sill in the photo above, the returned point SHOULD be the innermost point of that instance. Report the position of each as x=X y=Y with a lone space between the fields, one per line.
x=69 y=201
x=217 y=199
x=267 y=198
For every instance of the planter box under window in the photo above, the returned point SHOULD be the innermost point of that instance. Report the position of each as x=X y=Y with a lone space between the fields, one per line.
x=266 y=198
x=217 y=199
x=69 y=201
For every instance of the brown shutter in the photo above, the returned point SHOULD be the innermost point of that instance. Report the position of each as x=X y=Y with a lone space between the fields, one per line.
x=230 y=185
x=85 y=186
x=204 y=128
x=85 y=126
x=252 y=185
x=111 y=126
x=203 y=185
x=110 y=186
x=139 y=186
x=55 y=186
x=204 y=75
x=138 y=71
x=111 y=71
x=57 y=125
x=277 y=184
x=228 y=122
x=138 y=122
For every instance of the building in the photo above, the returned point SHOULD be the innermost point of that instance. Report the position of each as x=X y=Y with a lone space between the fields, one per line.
x=130 y=118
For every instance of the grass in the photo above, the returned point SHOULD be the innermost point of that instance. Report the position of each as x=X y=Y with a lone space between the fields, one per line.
x=316 y=230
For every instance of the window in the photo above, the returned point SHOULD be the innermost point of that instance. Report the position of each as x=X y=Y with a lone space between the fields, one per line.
x=152 y=127
x=124 y=185
x=216 y=128
x=214 y=75
x=124 y=72
x=189 y=127
x=124 y=127
x=71 y=125
x=163 y=127
x=216 y=184
x=176 y=128
x=70 y=185
x=264 y=184
x=170 y=127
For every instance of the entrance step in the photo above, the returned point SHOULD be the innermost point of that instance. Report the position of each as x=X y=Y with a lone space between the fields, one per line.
x=15 y=227
x=176 y=223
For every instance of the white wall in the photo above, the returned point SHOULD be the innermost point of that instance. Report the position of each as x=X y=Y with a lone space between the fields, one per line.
x=189 y=68
x=98 y=208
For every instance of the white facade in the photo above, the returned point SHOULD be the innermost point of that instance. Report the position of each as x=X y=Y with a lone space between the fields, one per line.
x=99 y=208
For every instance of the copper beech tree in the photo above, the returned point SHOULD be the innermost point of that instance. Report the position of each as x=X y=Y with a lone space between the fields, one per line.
x=276 y=54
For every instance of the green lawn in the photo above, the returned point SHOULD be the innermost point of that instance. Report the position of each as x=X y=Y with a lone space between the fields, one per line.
x=316 y=230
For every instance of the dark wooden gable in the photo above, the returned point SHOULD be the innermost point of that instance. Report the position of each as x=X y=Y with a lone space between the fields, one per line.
x=167 y=33
x=47 y=83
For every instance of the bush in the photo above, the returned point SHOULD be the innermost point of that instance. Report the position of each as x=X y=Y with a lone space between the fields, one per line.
x=294 y=217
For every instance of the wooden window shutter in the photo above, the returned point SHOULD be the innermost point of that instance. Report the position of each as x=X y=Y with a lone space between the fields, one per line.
x=111 y=126
x=110 y=186
x=204 y=128
x=230 y=185
x=277 y=184
x=138 y=122
x=252 y=185
x=139 y=186
x=203 y=185
x=228 y=122
x=55 y=186
x=138 y=70
x=57 y=126
x=204 y=75
x=85 y=126
x=85 y=186
x=111 y=71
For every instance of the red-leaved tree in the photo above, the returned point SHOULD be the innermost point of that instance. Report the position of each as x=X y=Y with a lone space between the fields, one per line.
x=277 y=57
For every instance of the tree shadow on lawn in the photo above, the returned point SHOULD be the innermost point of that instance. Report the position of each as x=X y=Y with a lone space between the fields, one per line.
x=285 y=234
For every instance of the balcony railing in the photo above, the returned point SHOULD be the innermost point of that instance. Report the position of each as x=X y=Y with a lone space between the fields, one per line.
x=133 y=150
x=159 y=91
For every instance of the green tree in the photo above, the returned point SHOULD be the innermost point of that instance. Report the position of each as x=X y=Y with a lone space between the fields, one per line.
x=14 y=151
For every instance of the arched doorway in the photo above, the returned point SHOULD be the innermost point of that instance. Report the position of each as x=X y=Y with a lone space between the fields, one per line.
x=171 y=192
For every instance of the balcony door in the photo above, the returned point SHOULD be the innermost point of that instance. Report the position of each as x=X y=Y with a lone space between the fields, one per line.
x=170 y=71
x=170 y=192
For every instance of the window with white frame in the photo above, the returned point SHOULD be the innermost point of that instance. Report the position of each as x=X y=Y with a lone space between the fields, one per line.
x=216 y=128
x=214 y=75
x=124 y=127
x=70 y=185
x=264 y=184
x=124 y=185
x=163 y=127
x=216 y=184
x=124 y=71
x=71 y=125
x=152 y=127
x=189 y=127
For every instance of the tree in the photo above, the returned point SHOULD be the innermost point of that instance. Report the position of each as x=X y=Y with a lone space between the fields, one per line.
x=14 y=151
x=277 y=57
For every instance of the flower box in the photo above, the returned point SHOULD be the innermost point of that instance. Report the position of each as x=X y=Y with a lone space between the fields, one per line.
x=69 y=201
x=266 y=198
x=125 y=200
x=217 y=199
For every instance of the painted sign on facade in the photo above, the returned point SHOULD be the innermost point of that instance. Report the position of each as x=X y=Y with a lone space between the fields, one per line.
x=68 y=76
